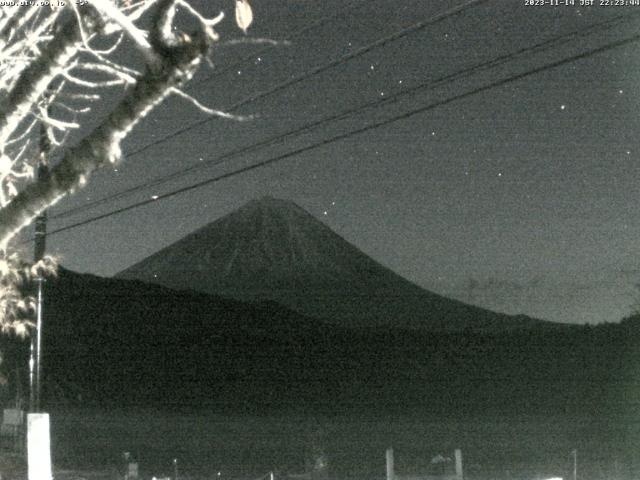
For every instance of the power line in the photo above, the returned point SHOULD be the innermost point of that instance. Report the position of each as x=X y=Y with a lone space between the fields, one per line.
x=464 y=73
x=345 y=58
x=403 y=116
x=413 y=28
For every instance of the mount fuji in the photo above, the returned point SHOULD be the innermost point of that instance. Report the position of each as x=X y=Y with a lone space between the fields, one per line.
x=272 y=249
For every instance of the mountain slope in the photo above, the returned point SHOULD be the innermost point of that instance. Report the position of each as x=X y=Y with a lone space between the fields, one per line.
x=120 y=342
x=134 y=343
x=273 y=249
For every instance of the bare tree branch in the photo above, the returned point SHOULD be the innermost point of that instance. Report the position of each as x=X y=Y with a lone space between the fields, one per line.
x=102 y=146
x=47 y=64
x=35 y=79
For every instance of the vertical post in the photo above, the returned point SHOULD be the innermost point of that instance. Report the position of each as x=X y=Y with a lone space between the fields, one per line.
x=38 y=446
x=38 y=369
x=38 y=435
x=32 y=365
x=390 y=466
x=575 y=464
x=35 y=372
x=458 y=456
x=175 y=469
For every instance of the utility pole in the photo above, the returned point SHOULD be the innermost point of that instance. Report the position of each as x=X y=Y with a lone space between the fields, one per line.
x=38 y=428
x=35 y=372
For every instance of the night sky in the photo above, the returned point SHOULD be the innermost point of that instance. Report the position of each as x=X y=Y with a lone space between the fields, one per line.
x=521 y=198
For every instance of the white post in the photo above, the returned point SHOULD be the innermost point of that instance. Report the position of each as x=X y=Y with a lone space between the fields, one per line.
x=390 y=468
x=458 y=455
x=38 y=446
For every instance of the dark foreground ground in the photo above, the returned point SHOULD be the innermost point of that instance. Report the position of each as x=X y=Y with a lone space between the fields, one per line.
x=90 y=444
x=112 y=342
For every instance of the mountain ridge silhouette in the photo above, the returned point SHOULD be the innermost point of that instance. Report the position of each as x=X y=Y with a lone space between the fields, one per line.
x=272 y=249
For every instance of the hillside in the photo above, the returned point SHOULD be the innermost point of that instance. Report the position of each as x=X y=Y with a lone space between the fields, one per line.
x=113 y=342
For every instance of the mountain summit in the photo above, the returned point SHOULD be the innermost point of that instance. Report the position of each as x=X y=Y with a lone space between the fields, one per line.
x=272 y=249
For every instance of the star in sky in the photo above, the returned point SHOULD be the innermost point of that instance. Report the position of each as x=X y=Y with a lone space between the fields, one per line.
x=497 y=125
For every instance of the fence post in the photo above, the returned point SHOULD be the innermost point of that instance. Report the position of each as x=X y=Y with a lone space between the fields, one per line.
x=390 y=468
x=458 y=454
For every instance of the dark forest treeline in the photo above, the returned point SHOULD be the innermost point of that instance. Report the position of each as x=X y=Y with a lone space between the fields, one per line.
x=112 y=343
